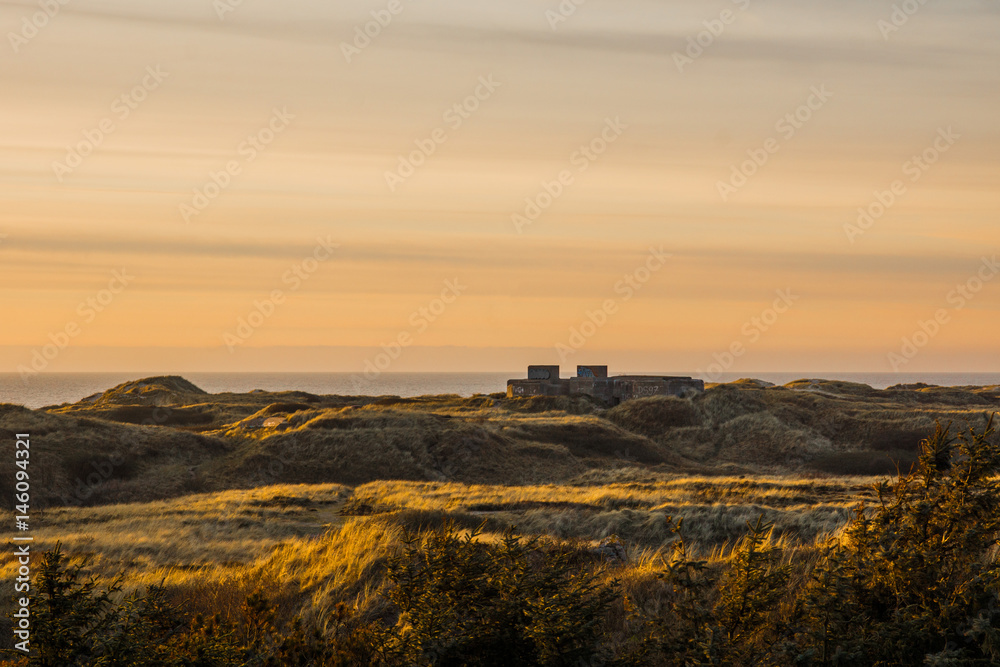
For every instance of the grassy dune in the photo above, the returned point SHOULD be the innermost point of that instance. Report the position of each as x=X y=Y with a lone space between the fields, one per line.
x=163 y=437
x=716 y=508
x=307 y=497
x=313 y=546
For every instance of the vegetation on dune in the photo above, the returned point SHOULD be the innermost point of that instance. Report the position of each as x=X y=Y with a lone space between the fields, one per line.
x=512 y=602
x=911 y=578
x=725 y=528
x=716 y=508
x=817 y=426
x=164 y=437
x=205 y=542
x=83 y=460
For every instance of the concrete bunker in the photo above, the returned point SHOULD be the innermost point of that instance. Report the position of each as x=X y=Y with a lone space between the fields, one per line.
x=594 y=381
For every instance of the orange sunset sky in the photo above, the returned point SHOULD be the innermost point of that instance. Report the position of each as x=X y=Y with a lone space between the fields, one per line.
x=120 y=119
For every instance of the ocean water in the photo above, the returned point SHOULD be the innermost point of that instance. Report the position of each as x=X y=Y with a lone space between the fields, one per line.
x=47 y=389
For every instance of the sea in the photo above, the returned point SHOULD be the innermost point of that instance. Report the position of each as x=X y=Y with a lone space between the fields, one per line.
x=50 y=389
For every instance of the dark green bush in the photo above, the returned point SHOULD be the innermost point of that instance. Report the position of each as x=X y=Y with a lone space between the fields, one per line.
x=916 y=580
x=517 y=602
x=76 y=624
x=718 y=615
x=913 y=580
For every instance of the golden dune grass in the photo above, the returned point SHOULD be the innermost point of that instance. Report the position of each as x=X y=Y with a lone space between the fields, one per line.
x=231 y=527
x=212 y=550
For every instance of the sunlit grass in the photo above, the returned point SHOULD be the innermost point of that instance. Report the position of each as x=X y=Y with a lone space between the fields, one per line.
x=292 y=541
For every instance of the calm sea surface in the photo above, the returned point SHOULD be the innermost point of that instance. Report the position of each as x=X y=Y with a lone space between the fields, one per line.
x=57 y=388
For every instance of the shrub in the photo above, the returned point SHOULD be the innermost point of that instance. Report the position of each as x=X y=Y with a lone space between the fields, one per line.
x=517 y=602
x=75 y=624
x=722 y=614
x=915 y=581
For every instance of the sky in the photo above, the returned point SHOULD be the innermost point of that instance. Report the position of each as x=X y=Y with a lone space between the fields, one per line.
x=462 y=185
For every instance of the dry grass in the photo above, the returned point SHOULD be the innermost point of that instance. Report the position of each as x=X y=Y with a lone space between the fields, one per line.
x=715 y=509
x=171 y=538
x=305 y=576
x=212 y=550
